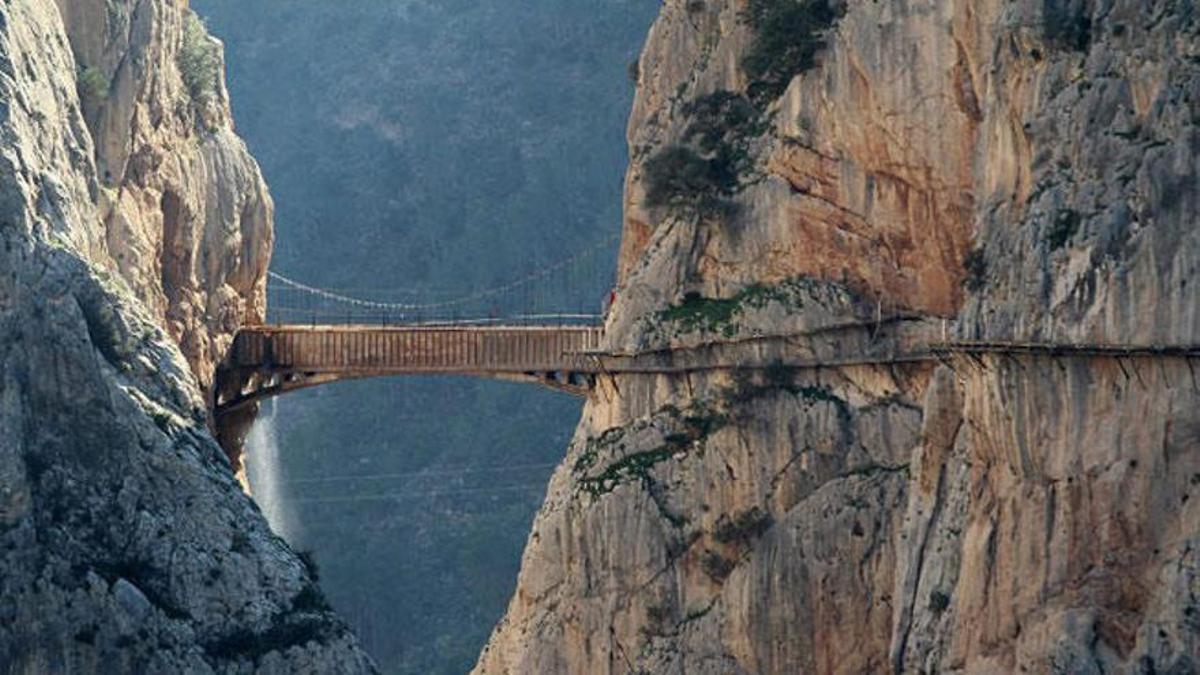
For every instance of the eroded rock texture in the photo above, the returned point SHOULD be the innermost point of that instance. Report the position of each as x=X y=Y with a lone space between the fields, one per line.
x=1026 y=169
x=126 y=544
x=186 y=215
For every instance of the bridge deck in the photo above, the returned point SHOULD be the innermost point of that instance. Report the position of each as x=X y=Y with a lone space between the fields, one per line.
x=270 y=360
x=413 y=350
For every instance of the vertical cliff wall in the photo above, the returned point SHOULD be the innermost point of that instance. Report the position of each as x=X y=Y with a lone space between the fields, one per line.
x=135 y=231
x=185 y=214
x=1026 y=169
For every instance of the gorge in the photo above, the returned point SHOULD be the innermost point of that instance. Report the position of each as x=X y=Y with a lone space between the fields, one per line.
x=1027 y=169
x=1009 y=185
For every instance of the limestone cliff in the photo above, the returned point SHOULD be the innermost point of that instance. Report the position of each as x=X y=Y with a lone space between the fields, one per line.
x=136 y=231
x=1026 y=170
x=186 y=215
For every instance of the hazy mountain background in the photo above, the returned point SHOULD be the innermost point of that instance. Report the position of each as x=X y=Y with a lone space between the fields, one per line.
x=438 y=146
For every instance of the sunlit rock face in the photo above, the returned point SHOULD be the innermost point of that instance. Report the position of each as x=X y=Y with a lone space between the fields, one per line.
x=1024 y=169
x=186 y=216
x=126 y=544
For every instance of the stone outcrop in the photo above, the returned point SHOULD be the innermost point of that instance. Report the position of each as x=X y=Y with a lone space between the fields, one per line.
x=1026 y=170
x=135 y=232
x=185 y=213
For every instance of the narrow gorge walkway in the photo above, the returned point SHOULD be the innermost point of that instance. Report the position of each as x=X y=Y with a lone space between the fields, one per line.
x=268 y=361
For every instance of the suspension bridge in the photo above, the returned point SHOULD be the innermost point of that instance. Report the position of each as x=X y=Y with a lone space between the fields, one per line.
x=271 y=360
x=538 y=329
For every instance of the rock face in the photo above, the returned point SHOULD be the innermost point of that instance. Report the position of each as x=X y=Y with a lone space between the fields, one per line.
x=126 y=544
x=185 y=213
x=1026 y=170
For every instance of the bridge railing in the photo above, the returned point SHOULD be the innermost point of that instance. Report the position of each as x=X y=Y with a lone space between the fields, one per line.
x=412 y=349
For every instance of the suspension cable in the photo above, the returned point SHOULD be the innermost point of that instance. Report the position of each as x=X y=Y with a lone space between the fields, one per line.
x=452 y=302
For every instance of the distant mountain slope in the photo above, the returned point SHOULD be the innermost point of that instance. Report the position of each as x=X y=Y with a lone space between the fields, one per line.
x=445 y=145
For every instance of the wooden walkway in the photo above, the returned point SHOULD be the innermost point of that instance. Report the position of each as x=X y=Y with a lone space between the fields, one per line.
x=271 y=360
x=414 y=350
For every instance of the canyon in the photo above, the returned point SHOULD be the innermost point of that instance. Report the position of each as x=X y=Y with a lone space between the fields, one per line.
x=1026 y=170
x=1021 y=170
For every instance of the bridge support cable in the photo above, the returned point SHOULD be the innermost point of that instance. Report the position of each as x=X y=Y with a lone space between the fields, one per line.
x=566 y=291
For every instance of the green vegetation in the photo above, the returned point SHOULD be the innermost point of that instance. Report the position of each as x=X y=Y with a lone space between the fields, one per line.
x=788 y=36
x=742 y=528
x=92 y=84
x=692 y=426
x=975 y=265
x=709 y=315
x=199 y=59
x=777 y=375
x=1066 y=224
x=633 y=466
x=749 y=386
x=701 y=421
x=286 y=633
x=712 y=160
x=716 y=566
x=938 y=601
x=718 y=315
x=589 y=456
x=677 y=176
x=720 y=120
x=1066 y=24
x=697 y=614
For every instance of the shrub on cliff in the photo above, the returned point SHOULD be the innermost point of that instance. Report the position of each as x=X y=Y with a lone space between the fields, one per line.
x=1062 y=228
x=712 y=158
x=199 y=59
x=678 y=176
x=743 y=527
x=975 y=266
x=92 y=84
x=722 y=122
x=788 y=35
